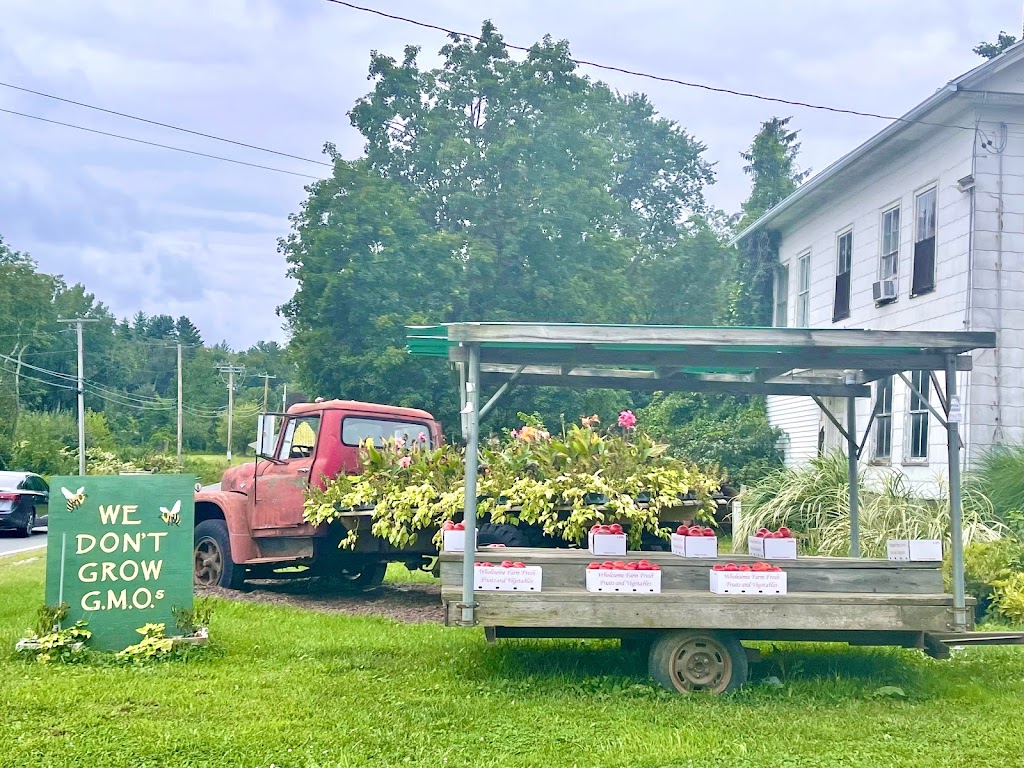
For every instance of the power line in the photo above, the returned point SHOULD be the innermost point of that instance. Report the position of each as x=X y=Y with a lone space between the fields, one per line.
x=161 y=146
x=167 y=125
x=650 y=76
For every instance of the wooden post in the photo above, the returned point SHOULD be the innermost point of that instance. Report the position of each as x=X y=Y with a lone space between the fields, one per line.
x=851 y=471
x=953 y=418
x=472 y=416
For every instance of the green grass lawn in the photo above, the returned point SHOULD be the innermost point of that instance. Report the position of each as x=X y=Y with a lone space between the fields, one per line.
x=297 y=689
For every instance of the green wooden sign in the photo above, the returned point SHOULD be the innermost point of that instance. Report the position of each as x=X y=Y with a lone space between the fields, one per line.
x=119 y=552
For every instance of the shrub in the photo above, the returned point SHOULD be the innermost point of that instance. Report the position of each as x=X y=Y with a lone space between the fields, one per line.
x=814 y=501
x=1008 y=597
x=1000 y=476
x=985 y=564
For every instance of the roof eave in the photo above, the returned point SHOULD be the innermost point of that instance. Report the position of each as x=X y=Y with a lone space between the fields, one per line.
x=928 y=105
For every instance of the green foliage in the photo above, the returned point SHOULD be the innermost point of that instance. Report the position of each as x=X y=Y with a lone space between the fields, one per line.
x=991 y=50
x=986 y=564
x=1008 y=597
x=154 y=645
x=496 y=189
x=50 y=643
x=562 y=483
x=814 y=502
x=196 y=620
x=717 y=430
x=999 y=475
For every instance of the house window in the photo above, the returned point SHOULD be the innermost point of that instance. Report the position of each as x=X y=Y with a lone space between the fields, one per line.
x=890 y=264
x=803 y=297
x=883 y=419
x=844 y=262
x=917 y=448
x=924 y=244
x=781 y=319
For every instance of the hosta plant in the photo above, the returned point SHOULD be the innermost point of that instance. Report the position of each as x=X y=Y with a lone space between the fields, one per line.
x=561 y=483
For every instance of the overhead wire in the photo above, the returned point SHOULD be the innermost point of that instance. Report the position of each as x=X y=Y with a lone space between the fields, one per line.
x=171 y=126
x=651 y=76
x=161 y=146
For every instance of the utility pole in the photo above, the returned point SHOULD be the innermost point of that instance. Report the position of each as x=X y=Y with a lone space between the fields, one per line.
x=231 y=370
x=180 y=403
x=284 y=399
x=266 y=387
x=81 y=390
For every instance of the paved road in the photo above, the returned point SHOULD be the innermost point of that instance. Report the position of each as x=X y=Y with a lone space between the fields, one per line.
x=9 y=544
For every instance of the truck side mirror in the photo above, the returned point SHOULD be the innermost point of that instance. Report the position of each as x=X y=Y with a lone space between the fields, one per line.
x=266 y=435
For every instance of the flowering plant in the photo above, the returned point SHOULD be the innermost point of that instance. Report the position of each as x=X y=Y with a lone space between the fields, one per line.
x=563 y=484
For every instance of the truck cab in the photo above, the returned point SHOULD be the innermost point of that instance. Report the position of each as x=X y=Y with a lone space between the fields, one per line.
x=251 y=524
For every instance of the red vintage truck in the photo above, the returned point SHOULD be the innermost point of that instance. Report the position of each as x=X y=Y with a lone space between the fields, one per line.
x=250 y=524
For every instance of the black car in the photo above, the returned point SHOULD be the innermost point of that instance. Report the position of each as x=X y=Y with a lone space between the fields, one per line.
x=24 y=502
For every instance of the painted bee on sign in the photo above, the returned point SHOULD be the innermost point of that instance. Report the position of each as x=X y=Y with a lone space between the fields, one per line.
x=171 y=516
x=76 y=499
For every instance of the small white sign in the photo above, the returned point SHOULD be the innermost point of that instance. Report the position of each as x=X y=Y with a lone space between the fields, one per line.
x=623 y=581
x=694 y=546
x=915 y=550
x=490 y=578
x=772 y=549
x=748 y=582
x=607 y=543
x=453 y=541
x=955 y=413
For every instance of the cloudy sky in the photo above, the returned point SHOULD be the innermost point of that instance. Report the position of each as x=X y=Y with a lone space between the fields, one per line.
x=156 y=230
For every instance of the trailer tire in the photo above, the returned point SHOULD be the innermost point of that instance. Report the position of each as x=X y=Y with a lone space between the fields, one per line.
x=697 y=659
x=212 y=563
x=502 y=533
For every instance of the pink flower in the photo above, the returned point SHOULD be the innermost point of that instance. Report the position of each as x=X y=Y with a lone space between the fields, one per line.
x=405 y=462
x=627 y=420
x=422 y=437
x=589 y=421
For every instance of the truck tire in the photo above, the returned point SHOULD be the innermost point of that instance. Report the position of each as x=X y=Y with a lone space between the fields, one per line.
x=212 y=563
x=688 y=660
x=502 y=533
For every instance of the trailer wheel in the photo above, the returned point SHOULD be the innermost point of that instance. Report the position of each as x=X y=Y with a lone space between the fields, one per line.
x=698 y=660
x=502 y=533
x=212 y=563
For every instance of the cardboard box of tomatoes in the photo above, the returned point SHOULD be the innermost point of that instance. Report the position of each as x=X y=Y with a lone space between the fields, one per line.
x=755 y=579
x=507 y=576
x=773 y=545
x=607 y=540
x=634 y=576
x=694 y=541
x=914 y=549
x=453 y=537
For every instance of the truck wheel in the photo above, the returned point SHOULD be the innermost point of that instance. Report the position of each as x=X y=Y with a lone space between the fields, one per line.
x=502 y=533
x=213 y=566
x=698 y=660
x=651 y=543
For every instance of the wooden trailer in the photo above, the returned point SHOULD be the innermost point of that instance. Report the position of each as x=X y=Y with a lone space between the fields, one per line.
x=694 y=635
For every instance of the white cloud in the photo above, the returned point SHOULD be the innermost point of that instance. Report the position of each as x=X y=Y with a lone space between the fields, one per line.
x=162 y=232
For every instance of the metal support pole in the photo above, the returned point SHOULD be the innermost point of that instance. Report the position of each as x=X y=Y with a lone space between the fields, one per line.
x=81 y=402
x=472 y=416
x=81 y=390
x=955 y=510
x=851 y=471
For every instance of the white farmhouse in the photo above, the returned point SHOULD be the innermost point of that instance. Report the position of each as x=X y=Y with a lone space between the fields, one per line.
x=919 y=228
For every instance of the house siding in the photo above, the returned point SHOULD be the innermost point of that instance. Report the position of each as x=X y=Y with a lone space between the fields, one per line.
x=940 y=161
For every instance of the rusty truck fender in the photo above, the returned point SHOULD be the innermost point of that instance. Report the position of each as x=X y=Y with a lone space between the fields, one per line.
x=232 y=508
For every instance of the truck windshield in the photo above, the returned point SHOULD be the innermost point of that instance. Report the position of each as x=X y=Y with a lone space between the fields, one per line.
x=357 y=430
x=299 y=438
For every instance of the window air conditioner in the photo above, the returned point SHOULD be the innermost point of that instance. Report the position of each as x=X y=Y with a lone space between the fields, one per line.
x=884 y=290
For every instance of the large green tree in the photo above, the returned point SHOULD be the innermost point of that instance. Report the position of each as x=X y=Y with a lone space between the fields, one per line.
x=990 y=50
x=493 y=189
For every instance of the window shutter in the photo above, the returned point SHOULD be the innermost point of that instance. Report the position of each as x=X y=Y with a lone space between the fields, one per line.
x=841 y=306
x=924 y=267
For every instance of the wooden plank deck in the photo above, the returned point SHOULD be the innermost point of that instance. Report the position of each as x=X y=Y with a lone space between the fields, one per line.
x=826 y=593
